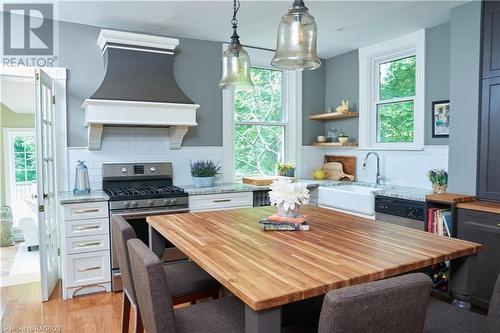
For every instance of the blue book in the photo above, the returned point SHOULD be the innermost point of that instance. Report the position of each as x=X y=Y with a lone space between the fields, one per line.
x=447 y=223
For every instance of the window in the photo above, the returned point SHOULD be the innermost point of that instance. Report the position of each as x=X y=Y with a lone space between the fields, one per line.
x=259 y=132
x=262 y=126
x=391 y=93
x=24 y=159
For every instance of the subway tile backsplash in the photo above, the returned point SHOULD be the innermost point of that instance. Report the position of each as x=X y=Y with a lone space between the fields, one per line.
x=132 y=144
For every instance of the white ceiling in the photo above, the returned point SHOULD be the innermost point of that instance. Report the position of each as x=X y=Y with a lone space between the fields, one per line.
x=362 y=22
x=17 y=94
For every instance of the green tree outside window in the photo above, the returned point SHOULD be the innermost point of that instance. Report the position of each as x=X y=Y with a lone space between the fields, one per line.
x=395 y=119
x=24 y=159
x=260 y=131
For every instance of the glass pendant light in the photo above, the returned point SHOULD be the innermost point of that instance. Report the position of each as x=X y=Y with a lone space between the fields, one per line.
x=235 y=60
x=297 y=32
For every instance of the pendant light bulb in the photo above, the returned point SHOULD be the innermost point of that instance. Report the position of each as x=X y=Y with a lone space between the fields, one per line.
x=296 y=45
x=235 y=60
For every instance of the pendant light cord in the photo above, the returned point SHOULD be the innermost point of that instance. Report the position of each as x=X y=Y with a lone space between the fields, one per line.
x=234 y=21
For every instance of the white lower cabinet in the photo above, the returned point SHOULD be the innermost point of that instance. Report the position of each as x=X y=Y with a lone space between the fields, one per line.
x=85 y=250
x=207 y=202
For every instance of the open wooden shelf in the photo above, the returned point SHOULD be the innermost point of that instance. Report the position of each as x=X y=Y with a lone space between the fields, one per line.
x=334 y=144
x=333 y=116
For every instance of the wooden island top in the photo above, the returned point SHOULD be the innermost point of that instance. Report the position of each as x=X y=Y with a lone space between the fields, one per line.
x=269 y=269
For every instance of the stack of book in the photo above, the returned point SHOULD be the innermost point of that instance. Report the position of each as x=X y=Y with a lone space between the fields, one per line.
x=277 y=222
x=439 y=221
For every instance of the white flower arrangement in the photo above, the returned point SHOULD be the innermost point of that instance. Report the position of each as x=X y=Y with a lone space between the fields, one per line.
x=287 y=194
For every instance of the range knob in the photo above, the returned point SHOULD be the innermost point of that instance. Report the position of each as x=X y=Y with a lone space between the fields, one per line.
x=150 y=203
x=152 y=169
x=126 y=204
x=165 y=201
x=133 y=204
x=173 y=201
x=124 y=170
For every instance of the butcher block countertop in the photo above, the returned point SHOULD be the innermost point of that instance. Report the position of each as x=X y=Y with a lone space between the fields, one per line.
x=269 y=269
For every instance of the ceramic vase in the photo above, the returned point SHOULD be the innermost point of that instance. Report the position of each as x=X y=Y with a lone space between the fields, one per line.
x=6 y=226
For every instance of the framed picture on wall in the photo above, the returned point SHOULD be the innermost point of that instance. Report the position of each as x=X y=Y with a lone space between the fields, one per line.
x=441 y=119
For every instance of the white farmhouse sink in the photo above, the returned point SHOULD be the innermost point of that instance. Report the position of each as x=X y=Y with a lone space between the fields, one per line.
x=352 y=198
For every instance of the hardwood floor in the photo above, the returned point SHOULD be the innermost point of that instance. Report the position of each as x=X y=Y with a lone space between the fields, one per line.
x=20 y=307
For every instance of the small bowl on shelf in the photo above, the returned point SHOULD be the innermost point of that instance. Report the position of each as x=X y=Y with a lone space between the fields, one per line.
x=321 y=138
x=343 y=139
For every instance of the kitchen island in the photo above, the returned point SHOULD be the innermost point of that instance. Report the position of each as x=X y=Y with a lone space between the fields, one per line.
x=267 y=270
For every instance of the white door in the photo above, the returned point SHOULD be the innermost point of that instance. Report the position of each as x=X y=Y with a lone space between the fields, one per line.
x=46 y=191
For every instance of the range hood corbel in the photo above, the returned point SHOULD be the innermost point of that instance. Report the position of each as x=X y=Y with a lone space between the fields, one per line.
x=138 y=88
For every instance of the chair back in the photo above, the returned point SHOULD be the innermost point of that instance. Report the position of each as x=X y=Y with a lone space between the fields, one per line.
x=153 y=294
x=392 y=305
x=122 y=231
x=493 y=319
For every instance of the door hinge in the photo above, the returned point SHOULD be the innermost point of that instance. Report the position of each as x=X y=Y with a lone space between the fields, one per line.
x=37 y=77
x=58 y=252
x=41 y=208
x=53 y=99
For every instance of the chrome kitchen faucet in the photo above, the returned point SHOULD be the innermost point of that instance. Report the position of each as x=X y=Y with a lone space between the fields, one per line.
x=379 y=176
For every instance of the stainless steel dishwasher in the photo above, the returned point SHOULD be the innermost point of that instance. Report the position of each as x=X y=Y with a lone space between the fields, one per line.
x=406 y=213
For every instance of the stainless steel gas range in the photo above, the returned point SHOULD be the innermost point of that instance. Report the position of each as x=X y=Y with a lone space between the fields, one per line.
x=139 y=190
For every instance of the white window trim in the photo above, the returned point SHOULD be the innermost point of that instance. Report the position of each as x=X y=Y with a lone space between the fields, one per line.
x=291 y=104
x=369 y=57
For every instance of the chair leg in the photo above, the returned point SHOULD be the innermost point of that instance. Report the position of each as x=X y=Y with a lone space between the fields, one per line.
x=125 y=313
x=138 y=327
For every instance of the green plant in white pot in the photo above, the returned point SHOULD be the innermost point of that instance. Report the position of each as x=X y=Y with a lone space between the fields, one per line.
x=204 y=172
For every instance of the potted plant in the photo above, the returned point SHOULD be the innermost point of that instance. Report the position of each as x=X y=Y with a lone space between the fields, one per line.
x=286 y=169
x=288 y=196
x=439 y=180
x=203 y=172
x=343 y=138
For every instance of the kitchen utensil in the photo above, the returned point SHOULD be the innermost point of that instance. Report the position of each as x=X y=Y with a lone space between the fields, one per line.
x=82 y=182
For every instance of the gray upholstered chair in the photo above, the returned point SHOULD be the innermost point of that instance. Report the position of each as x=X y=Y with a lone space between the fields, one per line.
x=392 y=305
x=153 y=289
x=188 y=281
x=443 y=317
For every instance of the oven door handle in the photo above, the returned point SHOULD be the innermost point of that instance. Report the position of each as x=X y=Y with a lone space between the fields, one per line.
x=140 y=214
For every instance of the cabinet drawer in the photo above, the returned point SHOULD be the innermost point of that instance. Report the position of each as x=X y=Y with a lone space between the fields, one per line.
x=78 y=228
x=89 y=210
x=88 y=268
x=220 y=201
x=87 y=243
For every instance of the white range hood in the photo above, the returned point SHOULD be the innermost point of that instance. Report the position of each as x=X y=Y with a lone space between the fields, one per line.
x=138 y=88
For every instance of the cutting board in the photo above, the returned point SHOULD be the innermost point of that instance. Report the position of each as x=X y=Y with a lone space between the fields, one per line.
x=258 y=181
x=261 y=181
x=348 y=164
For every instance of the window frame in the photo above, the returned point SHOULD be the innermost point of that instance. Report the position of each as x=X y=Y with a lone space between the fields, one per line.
x=291 y=104
x=370 y=58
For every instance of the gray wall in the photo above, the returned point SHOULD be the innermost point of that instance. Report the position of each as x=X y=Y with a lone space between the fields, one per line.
x=313 y=101
x=342 y=83
x=437 y=73
x=464 y=96
x=197 y=70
